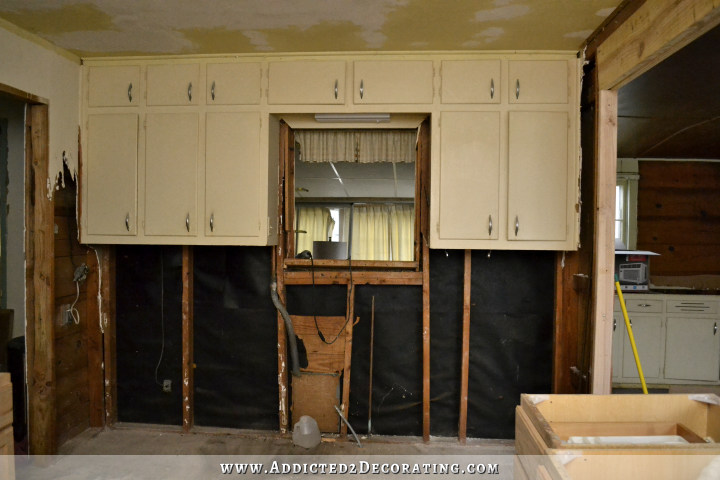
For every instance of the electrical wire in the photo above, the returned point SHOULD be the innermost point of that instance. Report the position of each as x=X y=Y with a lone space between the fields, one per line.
x=72 y=310
x=162 y=316
x=322 y=337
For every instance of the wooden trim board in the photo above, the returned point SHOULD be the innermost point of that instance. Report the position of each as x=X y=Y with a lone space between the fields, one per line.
x=188 y=370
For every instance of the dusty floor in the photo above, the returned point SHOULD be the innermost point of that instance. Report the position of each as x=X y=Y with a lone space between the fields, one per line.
x=133 y=451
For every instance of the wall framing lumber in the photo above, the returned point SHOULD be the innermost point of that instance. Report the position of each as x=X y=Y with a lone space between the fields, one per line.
x=40 y=288
x=107 y=312
x=279 y=274
x=358 y=278
x=655 y=31
x=188 y=386
x=95 y=344
x=345 y=406
x=604 y=264
x=426 y=338
x=609 y=25
x=465 y=368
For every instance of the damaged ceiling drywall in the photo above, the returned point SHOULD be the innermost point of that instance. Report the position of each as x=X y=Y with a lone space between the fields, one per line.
x=111 y=27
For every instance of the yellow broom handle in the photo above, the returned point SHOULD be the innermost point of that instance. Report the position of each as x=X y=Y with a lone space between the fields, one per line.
x=630 y=334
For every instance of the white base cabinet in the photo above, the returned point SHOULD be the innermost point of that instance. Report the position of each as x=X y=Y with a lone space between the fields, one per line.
x=675 y=346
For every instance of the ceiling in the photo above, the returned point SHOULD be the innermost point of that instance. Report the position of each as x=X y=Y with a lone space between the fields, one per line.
x=673 y=110
x=343 y=180
x=142 y=27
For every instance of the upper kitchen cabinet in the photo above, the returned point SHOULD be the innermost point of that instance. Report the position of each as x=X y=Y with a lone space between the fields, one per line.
x=538 y=176
x=111 y=174
x=470 y=81
x=233 y=84
x=114 y=86
x=232 y=167
x=171 y=158
x=469 y=175
x=306 y=83
x=393 y=82
x=538 y=81
x=173 y=84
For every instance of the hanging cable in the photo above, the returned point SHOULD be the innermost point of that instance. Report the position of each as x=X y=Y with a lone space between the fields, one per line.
x=162 y=315
x=322 y=337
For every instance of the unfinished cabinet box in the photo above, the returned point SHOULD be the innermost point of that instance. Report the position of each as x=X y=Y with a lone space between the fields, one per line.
x=233 y=84
x=111 y=174
x=469 y=175
x=232 y=157
x=393 y=82
x=649 y=336
x=469 y=81
x=171 y=156
x=692 y=349
x=538 y=176
x=545 y=423
x=306 y=83
x=114 y=86
x=173 y=84
x=538 y=81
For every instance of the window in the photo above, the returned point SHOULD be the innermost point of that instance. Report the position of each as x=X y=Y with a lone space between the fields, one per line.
x=621 y=210
x=626 y=190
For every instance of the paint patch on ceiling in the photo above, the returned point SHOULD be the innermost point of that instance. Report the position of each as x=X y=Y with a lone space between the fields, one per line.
x=582 y=34
x=112 y=27
x=605 y=12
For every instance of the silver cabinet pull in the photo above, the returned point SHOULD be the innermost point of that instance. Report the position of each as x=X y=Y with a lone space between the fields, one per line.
x=490 y=225
x=187 y=222
x=190 y=92
x=130 y=93
x=336 y=85
x=212 y=91
x=715 y=328
x=361 y=89
x=517 y=225
x=644 y=305
x=614 y=324
x=492 y=88
x=517 y=89
x=212 y=222
x=127 y=222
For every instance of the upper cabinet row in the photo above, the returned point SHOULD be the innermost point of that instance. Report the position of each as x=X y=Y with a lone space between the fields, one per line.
x=324 y=83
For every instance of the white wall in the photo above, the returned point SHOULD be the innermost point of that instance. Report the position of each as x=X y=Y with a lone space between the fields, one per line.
x=14 y=291
x=28 y=65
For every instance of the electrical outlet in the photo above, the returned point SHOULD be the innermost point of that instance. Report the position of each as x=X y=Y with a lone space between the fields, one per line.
x=167 y=386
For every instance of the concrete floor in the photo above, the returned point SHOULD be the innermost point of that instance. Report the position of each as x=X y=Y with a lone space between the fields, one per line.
x=135 y=451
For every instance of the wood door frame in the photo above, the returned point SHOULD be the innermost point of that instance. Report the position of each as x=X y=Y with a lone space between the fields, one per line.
x=646 y=34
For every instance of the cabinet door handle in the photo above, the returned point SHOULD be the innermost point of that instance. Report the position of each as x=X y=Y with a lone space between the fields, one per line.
x=336 y=85
x=212 y=91
x=490 y=225
x=361 y=89
x=187 y=222
x=212 y=222
x=130 y=93
x=644 y=305
x=492 y=88
x=517 y=225
x=127 y=222
x=190 y=92
x=614 y=324
x=715 y=328
x=517 y=89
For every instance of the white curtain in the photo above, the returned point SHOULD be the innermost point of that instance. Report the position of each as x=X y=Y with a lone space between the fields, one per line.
x=317 y=222
x=363 y=146
x=383 y=232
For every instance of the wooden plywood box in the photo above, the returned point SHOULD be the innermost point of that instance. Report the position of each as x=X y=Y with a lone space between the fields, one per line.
x=544 y=423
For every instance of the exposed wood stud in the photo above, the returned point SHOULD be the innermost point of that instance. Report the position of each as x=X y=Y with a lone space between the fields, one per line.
x=345 y=407
x=465 y=368
x=604 y=267
x=426 y=339
x=279 y=255
x=41 y=357
x=95 y=344
x=187 y=339
x=290 y=192
x=358 y=278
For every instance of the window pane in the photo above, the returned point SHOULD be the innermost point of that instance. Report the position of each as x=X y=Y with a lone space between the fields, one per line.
x=619 y=229
x=618 y=202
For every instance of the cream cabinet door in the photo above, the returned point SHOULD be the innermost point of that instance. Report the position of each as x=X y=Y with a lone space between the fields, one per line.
x=114 y=86
x=232 y=156
x=233 y=84
x=393 y=82
x=112 y=174
x=469 y=175
x=470 y=81
x=173 y=84
x=648 y=338
x=171 y=155
x=537 y=177
x=538 y=81
x=306 y=83
x=692 y=350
